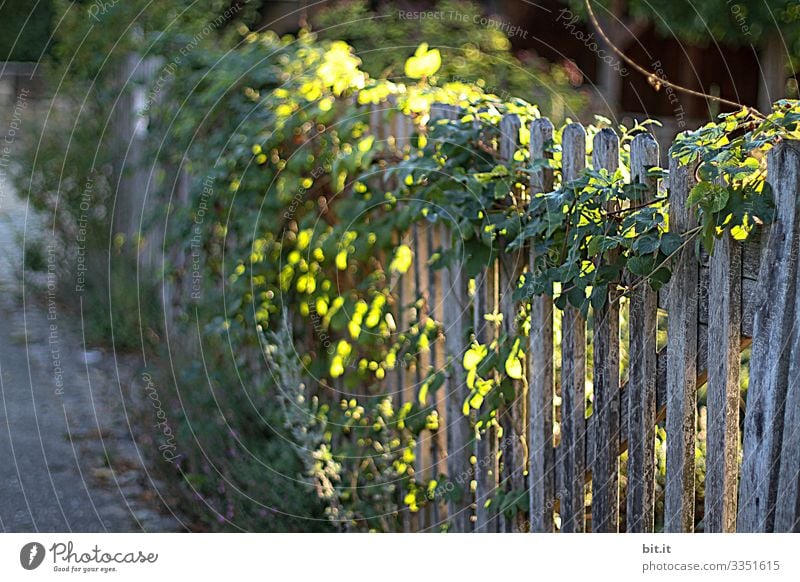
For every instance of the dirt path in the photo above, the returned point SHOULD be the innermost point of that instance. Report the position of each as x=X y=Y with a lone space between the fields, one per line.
x=67 y=458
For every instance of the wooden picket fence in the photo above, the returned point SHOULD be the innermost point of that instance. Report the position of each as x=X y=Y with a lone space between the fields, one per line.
x=743 y=296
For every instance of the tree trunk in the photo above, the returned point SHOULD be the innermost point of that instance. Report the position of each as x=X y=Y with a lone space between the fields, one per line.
x=773 y=72
x=622 y=32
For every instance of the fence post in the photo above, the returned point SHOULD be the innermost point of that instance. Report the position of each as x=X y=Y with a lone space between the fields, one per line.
x=682 y=310
x=643 y=369
x=573 y=369
x=772 y=327
x=605 y=456
x=127 y=139
x=513 y=419
x=541 y=471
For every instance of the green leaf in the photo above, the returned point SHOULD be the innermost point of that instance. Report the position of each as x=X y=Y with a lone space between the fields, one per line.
x=670 y=243
x=424 y=63
x=710 y=197
x=501 y=190
x=660 y=278
x=599 y=296
x=513 y=364
x=474 y=355
x=600 y=244
x=641 y=266
x=707 y=172
x=646 y=244
x=577 y=297
x=708 y=236
x=478 y=256
x=514 y=368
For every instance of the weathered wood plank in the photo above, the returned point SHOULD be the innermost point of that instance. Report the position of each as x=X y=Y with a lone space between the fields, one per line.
x=642 y=372
x=455 y=318
x=573 y=370
x=661 y=391
x=388 y=129
x=769 y=362
x=487 y=470
x=541 y=458
x=787 y=513
x=459 y=431
x=407 y=293
x=747 y=289
x=724 y=355
x=441 y=234
x=514 y=418
x=422 y=367
x=751 y=253
x=681 y=361
x=605 y=452
x=434 y=312
x=487 y=458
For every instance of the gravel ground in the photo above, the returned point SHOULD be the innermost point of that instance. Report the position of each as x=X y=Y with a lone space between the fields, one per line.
x=68 y=461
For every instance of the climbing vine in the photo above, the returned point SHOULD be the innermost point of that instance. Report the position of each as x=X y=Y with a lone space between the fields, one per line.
x=732 y=194
x=309 y=215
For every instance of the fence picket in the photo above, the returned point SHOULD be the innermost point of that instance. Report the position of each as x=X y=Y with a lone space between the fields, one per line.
x=713 y=308
x=513 y=419
x=540 y=371
x=642 y=383
x=682 y=307
x=724 y=354
x=787 y=516
x=487 y=465
x=487 y=469
x=382 y=128
x=441 y=234
x=435 y=311
x=458 y=431
x=604 y=458
x=426 y=441
x=769 y=362
x=573 y=369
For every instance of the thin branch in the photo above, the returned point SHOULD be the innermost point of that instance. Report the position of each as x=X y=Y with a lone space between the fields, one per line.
x=690 y=236
x=650 y=75
x=636 y=207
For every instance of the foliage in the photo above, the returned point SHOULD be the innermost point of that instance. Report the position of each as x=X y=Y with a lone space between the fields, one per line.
x=273 y=126
x=235 y=468
x=308 y=210
x=471 y=53
x=732 y=194
x=71 y=172
x=302 y=219
x=567 y=228
x=24 y=30
x=606 y=216
x=292 y=233
x=743 y=22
